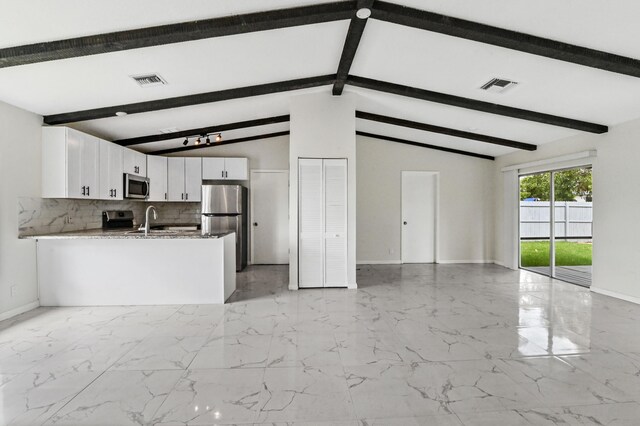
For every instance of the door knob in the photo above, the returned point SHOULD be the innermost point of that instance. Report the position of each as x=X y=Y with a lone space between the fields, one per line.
x=255 y=223
x=404 y=223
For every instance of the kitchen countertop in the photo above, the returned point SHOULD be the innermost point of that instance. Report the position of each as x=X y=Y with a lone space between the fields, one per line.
x=127 y=233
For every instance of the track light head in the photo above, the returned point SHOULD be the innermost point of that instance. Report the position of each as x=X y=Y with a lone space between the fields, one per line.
x=186 y=141
x=219 y=137
x=208 y=140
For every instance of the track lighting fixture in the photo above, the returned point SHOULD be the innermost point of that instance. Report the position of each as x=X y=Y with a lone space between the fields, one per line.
x=206 y=138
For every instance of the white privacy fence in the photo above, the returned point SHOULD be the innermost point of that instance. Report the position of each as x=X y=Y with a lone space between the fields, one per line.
x=572 y=219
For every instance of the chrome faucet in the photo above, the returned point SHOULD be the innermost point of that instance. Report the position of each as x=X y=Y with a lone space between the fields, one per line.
x=147 y=225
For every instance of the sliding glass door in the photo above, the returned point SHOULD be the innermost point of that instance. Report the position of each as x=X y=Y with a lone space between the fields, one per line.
x=573 y=200
x=556 y=224
x=535 y=223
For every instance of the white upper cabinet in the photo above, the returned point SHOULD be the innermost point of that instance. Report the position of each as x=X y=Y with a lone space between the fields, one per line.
x=70 y=164
x=175 y=179
x=135 y=163
x=221 y=168
x=157 y=174
x=193 y=179
x=184 y=179
x=236 y=168
x=110 y=171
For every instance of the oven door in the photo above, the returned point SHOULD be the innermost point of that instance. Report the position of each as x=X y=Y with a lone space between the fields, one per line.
x=136 y=186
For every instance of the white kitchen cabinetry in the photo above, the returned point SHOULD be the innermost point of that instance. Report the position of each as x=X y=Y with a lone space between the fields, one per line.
x=221 y=168
x=70 y=164
x=157 y=174
x=184 y=179
x=322 y=223
x=110 y=171
x=135 y=163
x=193 y=179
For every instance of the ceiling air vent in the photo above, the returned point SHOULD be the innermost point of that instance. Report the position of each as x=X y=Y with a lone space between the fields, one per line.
x=498 y=85
x=149 y=80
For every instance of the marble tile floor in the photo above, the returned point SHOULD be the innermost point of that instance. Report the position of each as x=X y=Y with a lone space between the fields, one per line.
x=414 y=345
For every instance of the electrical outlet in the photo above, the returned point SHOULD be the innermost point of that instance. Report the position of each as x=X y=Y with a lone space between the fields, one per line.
x=14 y=289
x=68 y=220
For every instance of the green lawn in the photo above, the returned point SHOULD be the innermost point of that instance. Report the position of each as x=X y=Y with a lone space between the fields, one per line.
x=536 y=253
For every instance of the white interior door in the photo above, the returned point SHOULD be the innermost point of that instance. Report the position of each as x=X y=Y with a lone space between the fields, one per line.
x=335 y=227
x=310 y=224
x=419 y=198
x=269 y=217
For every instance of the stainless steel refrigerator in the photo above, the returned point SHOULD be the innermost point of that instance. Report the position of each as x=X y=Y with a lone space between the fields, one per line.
x=224 y=208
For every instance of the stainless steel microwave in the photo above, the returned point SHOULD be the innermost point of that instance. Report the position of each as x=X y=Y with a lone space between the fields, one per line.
x=136 y=186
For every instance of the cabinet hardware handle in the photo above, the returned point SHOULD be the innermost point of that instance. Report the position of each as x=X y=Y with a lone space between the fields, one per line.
x=226 y=174
x=111 y=193
x=84 y=190
x=223 y=173
x=404 y=223
x=187 y=196
x=255 y=223
x=115 y=192
x=182 y=196
x=165 y=195
x=88 y=191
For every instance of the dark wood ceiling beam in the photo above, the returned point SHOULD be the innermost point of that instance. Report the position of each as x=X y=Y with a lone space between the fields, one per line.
x=203 y=130
x=213 y=145
x=458 y=101
x=424 y=145
x=514 y=40
x=444 y=130
x=183 y=101
x=354 y=34
x=176 y=33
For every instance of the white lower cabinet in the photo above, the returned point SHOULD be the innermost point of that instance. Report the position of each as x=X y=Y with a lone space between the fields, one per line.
x=157 y=174
x=184 y=176
x=322 y=223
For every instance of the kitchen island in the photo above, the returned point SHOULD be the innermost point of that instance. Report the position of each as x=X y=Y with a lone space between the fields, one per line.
x=116 y=267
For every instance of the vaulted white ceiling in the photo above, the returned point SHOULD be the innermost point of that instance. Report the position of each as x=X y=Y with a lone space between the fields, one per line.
x=387 y=52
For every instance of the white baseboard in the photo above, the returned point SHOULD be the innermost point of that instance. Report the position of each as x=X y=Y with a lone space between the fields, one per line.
x=19 y=310
x=399 y=262
x=621 y=296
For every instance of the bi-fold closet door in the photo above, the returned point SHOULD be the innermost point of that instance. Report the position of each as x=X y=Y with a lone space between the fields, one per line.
x=322 y=219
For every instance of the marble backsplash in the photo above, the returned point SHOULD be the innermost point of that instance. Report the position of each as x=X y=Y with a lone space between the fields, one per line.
x=40 y=216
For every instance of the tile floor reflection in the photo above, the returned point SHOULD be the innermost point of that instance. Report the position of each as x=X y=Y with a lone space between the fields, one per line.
x=414 y=345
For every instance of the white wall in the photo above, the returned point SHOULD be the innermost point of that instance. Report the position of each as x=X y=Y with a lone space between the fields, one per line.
x=265 y=154
x=20 y=154
x=466 y=201
x=322 y=126
x=616 y=183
